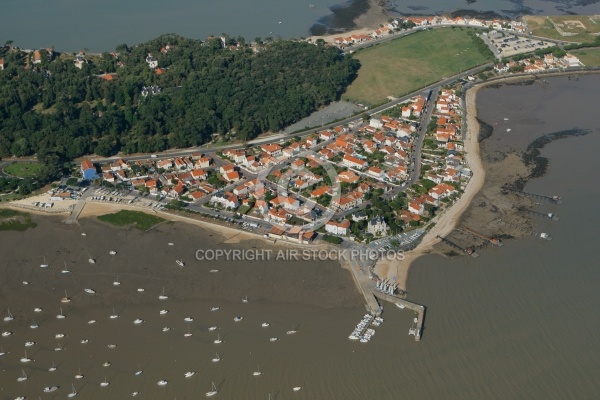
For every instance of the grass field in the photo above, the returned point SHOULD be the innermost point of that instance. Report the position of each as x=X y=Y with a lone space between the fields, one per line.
x=406 y=64
x=23 y=170
x=139 y=219
x=589 y=57
x=582 y=26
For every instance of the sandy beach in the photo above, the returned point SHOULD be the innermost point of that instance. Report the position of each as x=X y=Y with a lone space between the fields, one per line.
x=447 y=221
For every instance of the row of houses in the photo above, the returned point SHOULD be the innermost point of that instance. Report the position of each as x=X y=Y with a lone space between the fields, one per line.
x=537 y=64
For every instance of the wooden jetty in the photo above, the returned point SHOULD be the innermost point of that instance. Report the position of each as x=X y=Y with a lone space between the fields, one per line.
x=467 y=250
x=493 y=240
x=552 y=216
x=551 y=199
x=417 y=308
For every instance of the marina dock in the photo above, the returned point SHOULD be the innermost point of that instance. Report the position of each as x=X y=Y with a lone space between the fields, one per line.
x=551 y=199
x=467 y=250
x=417 y=330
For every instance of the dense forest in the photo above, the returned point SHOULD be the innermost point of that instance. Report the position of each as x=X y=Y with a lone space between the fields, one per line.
x=53 y=109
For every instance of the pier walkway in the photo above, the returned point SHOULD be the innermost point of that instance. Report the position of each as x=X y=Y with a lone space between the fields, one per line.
x=551 y=199
x=417 y=308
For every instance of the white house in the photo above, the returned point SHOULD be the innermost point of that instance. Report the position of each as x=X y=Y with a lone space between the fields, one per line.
x=338 y=228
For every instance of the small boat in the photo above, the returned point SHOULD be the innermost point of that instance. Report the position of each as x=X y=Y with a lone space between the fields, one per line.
x=50 y=389
x=353 y=337
x=212 y=328
x=213 y=390
x=171 y=244
x=138 y=321
x=265 y=324
x=257 y=372
x=9 y=317
x=245 y=299
x=162 y=296
x=91 y=322
x=59 y=335
x=52 y=367
x=506 y=119
x=162 y=383
x=79 y=375
x=112 y=252
x=291 y=332
x=44 y=264
x=188 y=319
x=112 y=346
x=133 y=394
x=214 y=270
x=163 y=312
x=84 y=234
x=401 y=306
x=105 y=383
x=188 y=334
x=296 y=388
x=59 y=348
x=508 y=129
x=25 y=359
x=25 y=283
x=218 y=340
x=73 y=392
x=61 y=315
x=2 y=352
x=91 y=260
x=117 y=282
x=84 y=341
x=189 y=374
x=140 y=290
x=238 y=318
x=29 y=344
x=106 y=364
x=114 y=315
x=138 y=372
x=166 y=329
x=6 y=333
x=38 y=309
x=65 y=270
x=22 y=377
x=65 y=299
x=214 y=308
x=90 y=291
x=180 y=263
x=273 y=339
x=217 y=358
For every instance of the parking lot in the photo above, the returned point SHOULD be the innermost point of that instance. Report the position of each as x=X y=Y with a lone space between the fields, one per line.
x=506 y=45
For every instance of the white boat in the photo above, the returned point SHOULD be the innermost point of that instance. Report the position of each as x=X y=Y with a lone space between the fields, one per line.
x=508 y=129
x=91 y=322
x=166 y=329
x=58 y=348
x=188 y=334
x=296 y=388
x=353 y=337
x=163 y=312
x=189 y=374
x=138 y=321
x=44 y=264
x=59 y=335
x=180 y=263
x=214 y=270
x=22 y=377
x=291 y=332
x=112 y=252
x=218 y=340
x=29 y=344
x=106 y=364
x=213 y=390
x=50 y=389
x=65 y=299
x=84 y=341
x=73 y=392
x=65 y=270
x=171 y=244
x=25 y=359
x=138 y=372
x=9 y=317
x=2 y=352
x=112 y=346
x=212 y=328
x=114 y=315
x=238 y=318
x=90 y=291
x=273 y=339
x=133 y=394
x=162 y=383
x=162 y=296
x=105 y=383
x=25 y=283
x=117 y=282
x=140 y=290
x=188 y=319
x=79 y=375
x=257 y=372
x=91 y=260
x=38 y=309
x=401 y=306
x=61 y=315
x=83 y=234
x=245 y=299
x=214 y=308
x=265 y=324
x=6 y=333
x=217 y=358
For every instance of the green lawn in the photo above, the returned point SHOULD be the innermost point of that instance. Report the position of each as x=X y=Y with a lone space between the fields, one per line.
x=23 y=170
x=589 y=57
x=139 y=219
x=543 y=26
x=406 y=64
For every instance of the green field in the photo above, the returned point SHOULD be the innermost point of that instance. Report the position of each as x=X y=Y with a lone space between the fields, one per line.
x=407 y=64
x=23 y=170
x=589 y=57
x=139 y=219
x=579 y=28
